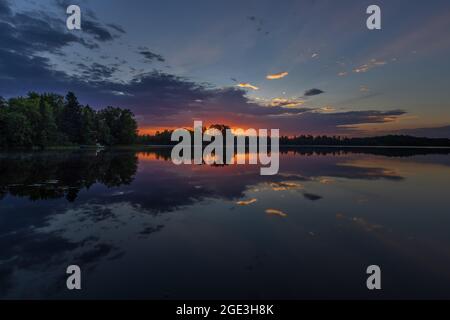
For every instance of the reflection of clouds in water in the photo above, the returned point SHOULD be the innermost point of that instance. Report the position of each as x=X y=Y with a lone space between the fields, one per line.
x=366 y=225
x=162 y=187
x=88 y=236
x=371 y=172
x=340 y=216
x=326 y=180
x=276 y=212
x=325 y=168
x=78 y=223
x=151 y=229
x=107 y=218
x=159 y=190
x=360 y=222
x=285 y=185
x=288 y=186
x=433 y=257
x=246 y=202
x=311 y=196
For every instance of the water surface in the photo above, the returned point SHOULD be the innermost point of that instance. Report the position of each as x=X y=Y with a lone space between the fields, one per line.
x=141 y=227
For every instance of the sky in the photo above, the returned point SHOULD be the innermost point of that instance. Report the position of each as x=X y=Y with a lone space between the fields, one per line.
x=301 y=66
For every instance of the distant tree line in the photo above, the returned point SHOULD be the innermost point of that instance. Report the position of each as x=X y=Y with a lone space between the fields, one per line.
x=159 y=138
x=164 y=138
x=388 y=140
x=45 y=120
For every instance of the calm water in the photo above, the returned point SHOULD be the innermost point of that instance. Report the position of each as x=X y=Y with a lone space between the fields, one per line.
x=141 y=227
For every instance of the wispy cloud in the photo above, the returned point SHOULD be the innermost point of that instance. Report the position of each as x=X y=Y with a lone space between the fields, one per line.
x=286 y=103
x=327 y=109
x=370 y=65
x=247 y=86
x=364 y=89
x=150 y=56
x=259 y=23
x=276 y=76
x=313 y=92
x=120 y=93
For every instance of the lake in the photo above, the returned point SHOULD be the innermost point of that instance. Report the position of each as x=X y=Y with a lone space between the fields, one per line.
x=141 y=227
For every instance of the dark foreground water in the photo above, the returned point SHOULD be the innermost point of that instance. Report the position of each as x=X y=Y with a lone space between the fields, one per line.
x=141 y=227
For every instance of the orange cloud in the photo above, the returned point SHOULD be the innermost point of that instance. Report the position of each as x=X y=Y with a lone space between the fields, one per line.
x=277 y=75
x=286 y=103
x=366 y=67
x=247 y=85
x=327 y=109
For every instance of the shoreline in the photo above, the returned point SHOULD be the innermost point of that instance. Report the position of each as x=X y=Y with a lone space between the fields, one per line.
x=138 y=147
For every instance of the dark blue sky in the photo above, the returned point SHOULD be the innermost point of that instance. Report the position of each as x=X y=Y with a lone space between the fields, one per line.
x=175 y=61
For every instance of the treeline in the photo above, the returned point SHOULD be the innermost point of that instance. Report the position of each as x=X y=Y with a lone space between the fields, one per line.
x=45 y=120
x=164 y=138
x=388 y=141
x=159 y=138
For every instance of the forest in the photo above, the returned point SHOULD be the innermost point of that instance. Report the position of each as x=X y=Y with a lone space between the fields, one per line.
x=163 y=138
x=46 y=120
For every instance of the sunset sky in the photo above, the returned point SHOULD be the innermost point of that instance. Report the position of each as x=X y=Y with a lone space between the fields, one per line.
x=304 y=66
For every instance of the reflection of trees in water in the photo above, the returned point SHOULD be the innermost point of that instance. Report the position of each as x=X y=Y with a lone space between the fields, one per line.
x=164 y=153
x=226 y=157
x=382 y=151
x=52 y=175
x=43 y=239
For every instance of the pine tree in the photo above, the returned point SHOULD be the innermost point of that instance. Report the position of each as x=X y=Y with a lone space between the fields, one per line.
x=71 y=124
